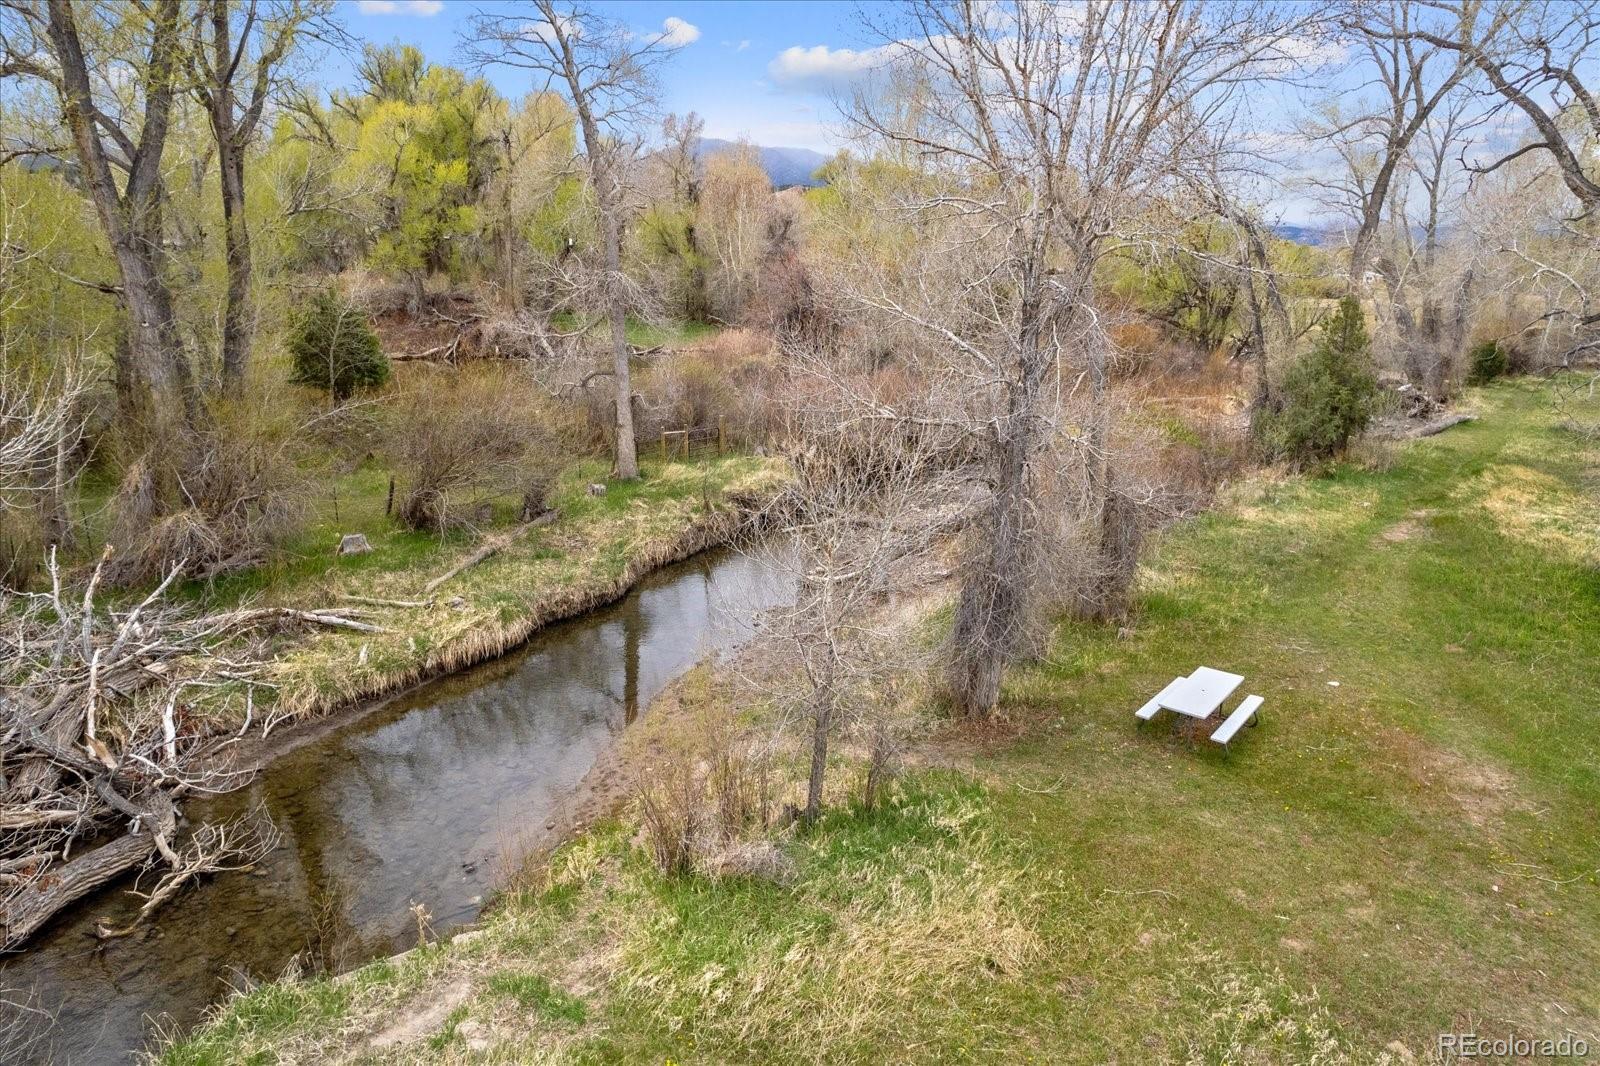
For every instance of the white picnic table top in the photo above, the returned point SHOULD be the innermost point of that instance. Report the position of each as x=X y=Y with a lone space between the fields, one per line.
x=1202 y=692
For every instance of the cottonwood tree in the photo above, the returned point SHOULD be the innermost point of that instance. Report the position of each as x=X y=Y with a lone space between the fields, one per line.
x=730 y=224
x=870 y=495
x=1422 y=267
x=1535 y=56
x=424 y=146
x=236 y=56
x=533 y=198
x=606 y=71
x=1410 y=78
x=1037 y=132
x=74 y=49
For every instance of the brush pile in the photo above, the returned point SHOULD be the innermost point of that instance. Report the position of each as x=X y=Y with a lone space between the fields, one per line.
x=107 y=719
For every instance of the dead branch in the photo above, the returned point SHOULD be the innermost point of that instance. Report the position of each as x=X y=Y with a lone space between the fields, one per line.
x=488 y=548
x=103 y=722
x=53 y=887
x=214 y=848
x=254 y=615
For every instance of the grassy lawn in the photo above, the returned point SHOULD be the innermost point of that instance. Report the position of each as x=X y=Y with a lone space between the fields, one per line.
x=1410 y=851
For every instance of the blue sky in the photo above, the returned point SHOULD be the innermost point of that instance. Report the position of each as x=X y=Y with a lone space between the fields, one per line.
x=758 y=70
x=769 y=70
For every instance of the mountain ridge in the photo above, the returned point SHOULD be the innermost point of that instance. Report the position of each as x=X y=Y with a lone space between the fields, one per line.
x=786 y=167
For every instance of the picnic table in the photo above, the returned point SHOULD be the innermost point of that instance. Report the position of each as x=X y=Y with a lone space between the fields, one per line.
x=1201 y=693
x=1198 y=696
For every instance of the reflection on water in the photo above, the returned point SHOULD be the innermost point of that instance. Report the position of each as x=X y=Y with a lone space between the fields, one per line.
x=414 y=803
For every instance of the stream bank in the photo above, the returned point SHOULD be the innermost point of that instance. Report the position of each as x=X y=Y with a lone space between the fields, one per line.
x=418 y=802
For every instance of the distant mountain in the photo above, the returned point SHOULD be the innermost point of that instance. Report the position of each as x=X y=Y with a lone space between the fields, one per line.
x=1309 y=235
x=785 y=166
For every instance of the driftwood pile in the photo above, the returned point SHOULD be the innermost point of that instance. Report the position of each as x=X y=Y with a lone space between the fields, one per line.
x=103 y=729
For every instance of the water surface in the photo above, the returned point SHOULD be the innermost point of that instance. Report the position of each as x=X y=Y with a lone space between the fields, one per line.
x=415 y=803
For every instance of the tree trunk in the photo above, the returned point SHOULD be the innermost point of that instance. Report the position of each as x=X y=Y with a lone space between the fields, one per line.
x=156 y=374
x=992 y=608
x=822 y=700
x=626 y=464
x=33 y=905
x=236 y=236
x=607 y=197
x=989 y=615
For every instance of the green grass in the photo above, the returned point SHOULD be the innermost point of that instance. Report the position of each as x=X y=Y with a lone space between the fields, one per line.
x=546 y=573
x=1409 y=852
x=549 y=572
x=531 y=991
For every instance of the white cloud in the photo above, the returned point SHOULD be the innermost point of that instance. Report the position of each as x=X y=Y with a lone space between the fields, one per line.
x=1305 y=53
x=824 y=69
x=545 y=32
x=741 y=46
x=423 y=8
x=675 y=32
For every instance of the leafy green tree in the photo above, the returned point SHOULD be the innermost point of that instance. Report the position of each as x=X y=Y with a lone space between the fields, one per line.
x=1328 y=394
x=332 y=347
x=422 y=142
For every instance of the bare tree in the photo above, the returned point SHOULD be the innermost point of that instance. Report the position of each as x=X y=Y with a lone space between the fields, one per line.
x=1421 y=263
x=1533 y=55
x=41 y=422
x=1412 y=78
x=680 y=155
x=873 y=490
x=1038 y=131
x=38 y=427
x=244 y=46
x=607 y=73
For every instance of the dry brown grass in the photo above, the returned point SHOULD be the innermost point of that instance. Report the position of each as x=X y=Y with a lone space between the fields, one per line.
x=1527 y=504
x=217 y=496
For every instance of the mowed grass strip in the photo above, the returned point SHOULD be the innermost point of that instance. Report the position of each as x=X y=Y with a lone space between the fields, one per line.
x=1417 y=841
x=1410 y=851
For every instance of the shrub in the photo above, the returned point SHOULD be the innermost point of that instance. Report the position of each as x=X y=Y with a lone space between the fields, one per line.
x=21 y=555
x=333 y=347
x=1486 y=362
x=1327 y=395
x=214 y=497
x=462 y=438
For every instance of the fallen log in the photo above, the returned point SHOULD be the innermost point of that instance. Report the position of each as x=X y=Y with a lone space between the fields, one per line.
x=488 y=548
x=1439 y=425
x=32 y=904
